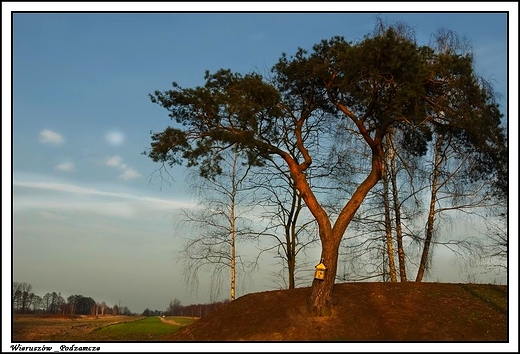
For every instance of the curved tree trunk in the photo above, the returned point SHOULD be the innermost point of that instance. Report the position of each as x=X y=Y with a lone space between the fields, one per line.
x=321 y=295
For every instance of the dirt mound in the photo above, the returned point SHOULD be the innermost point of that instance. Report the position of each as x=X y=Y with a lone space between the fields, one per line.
x=362 y=312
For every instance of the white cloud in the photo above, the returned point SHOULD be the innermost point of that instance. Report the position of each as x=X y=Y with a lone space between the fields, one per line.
x=115 y=138
x=66 y=167
x=128 y=173
x=114 y=161
x=49 y=137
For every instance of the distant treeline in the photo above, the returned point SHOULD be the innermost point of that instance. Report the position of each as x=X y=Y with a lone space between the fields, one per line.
x=199 y=310
x=176 y=309
x=25 y=301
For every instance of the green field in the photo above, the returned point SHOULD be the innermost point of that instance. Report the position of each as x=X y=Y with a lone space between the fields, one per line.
x=146 y=329
x=28 y=327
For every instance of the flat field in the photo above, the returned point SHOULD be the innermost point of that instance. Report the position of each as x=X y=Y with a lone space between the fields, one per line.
x=35 y=328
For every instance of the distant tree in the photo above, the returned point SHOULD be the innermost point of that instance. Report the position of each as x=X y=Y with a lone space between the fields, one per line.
x=53 y=302
x=16 y=295
x=81 y=305
x=72 y=303
x=103 y=306
x=47 y=301
x=126 y=311
x=384 y=82
x=37 y=303
x=174 y=309
x=22 y=296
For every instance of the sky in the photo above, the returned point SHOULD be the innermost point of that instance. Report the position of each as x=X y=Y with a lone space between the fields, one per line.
x=90 y=214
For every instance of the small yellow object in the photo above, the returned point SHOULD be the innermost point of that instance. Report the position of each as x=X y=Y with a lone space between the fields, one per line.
x=320 y=271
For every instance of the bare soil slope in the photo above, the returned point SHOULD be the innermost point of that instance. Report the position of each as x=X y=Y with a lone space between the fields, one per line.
x=362 y=312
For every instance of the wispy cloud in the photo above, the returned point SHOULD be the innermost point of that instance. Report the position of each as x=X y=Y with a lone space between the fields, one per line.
x=114 y=161
x=117 y=162
x=49 y=137
x=51 y=216
x=66 y=167
x=115 y=138
x=23 y=202
x=69 y=188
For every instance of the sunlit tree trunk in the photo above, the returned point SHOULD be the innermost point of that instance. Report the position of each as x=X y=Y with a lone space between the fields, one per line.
x=321 y=294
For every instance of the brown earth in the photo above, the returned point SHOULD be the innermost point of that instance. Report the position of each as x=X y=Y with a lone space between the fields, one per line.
x=362 y=312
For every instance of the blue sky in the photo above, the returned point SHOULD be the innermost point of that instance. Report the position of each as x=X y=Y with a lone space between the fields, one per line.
x=90 y=216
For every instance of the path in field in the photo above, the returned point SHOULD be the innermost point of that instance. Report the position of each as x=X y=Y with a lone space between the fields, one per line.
x=172 y=322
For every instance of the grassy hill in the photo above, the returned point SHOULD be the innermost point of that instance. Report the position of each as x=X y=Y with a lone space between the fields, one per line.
x=362 y=312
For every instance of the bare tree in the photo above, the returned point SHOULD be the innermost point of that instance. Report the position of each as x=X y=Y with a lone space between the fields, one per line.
x=289 y=228
x=496 y=249
x=103 y=307
x=53 y=302
x=220 y=222
x=16 y=296
x=23 y=298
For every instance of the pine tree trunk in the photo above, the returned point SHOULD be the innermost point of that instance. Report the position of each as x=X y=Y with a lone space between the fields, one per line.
x=321 y=294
